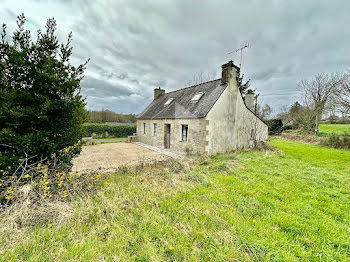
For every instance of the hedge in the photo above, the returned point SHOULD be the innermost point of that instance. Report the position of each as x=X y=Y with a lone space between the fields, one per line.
x=102 y=130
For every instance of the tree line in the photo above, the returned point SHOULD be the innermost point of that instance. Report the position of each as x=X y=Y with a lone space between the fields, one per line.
x=104 y=116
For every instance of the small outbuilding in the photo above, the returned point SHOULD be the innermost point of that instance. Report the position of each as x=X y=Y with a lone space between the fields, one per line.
x=212 y=117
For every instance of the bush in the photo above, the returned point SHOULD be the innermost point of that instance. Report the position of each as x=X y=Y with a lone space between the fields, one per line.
x=108 y=131
x=275 y=126
x=41 y=109
x=338 y=141
x=49 y=180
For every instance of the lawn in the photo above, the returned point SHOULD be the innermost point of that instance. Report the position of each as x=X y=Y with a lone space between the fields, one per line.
x=287 y=205
x=326 y=129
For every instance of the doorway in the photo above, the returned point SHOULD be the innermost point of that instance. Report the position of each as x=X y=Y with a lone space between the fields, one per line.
x=167 y=136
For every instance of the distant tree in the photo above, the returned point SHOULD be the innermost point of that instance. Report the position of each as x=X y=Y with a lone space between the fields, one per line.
x=298 y=116
x=264 y=111
x=41 y=108
x=316 y=92
x=343 y=92
x=104 y=116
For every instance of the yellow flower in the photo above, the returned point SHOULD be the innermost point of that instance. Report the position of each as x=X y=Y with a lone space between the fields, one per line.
x=345 y=219
x=254 y=220
x=341 y=205
x=8 y=197
x=90 y=186
x=171 y=248
x=26 y=176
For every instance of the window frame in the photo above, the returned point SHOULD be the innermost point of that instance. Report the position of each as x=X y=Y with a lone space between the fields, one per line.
x=182 y=134
x=169 y=101
x=199 y=94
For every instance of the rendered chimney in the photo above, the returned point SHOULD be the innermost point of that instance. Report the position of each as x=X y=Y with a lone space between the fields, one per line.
x=227 y=71
x=158 y=92
x=249 y=99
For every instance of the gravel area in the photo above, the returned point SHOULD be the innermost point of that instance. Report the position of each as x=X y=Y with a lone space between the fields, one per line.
x=108 y=157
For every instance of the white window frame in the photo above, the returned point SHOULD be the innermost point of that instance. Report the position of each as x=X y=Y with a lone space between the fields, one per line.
x=199 y=95
x=144 y=128
x=168 y=102
x=155 y=129
x=181 y=134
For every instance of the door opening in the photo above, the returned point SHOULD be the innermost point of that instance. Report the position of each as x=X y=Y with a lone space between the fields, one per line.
x=167 y=136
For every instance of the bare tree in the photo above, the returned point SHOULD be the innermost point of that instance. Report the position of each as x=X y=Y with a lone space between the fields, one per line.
x=317 y=90
x=201 y=77
x=264 y=111
x=343 y=92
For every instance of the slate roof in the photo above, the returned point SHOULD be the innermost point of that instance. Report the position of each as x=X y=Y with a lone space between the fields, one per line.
x=182 y=106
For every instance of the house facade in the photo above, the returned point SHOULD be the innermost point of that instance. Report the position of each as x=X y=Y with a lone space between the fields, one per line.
x=211 y=117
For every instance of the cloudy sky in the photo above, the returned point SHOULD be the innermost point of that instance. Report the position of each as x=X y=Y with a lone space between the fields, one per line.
x=135 y=46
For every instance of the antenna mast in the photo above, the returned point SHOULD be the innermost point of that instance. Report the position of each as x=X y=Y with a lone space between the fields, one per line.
x=240 y=49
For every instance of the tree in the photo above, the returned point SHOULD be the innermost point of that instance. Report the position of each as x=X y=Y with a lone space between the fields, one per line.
x=317 y=90
x=41 y=108
x=343 y=92
x=264 y=111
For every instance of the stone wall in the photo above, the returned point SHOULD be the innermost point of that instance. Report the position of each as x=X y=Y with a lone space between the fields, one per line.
x=196 y=134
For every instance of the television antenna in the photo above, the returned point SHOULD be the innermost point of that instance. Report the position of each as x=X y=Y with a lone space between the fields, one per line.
x=241 y=50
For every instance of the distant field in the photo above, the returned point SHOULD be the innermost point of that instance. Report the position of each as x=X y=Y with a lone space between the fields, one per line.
x=291 y=205
x=326 y=129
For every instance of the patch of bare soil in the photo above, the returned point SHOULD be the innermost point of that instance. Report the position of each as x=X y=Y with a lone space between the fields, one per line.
x=306 y=139
x=108 y=157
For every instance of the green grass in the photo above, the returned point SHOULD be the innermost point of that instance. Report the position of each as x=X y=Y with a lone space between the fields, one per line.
x=327 y=129
x=282 y=206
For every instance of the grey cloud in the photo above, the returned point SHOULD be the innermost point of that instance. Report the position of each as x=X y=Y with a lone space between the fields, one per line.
x=136 y=46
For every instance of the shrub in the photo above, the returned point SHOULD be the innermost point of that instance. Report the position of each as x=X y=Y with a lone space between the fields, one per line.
x=338 y=141
x=41 y=108
x=48 y=180
x=108 y=131
x=275 y=126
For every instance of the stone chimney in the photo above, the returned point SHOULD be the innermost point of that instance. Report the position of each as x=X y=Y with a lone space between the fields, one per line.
x=249 y=99
x=227 y=72
x=158 y=92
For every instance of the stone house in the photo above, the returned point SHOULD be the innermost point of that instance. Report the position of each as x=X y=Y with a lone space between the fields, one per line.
x=211 y=117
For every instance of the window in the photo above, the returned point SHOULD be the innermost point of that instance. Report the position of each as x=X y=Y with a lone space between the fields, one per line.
x=197 y=97
x=184 y=133
x=144 y=129
x=169 y=101
x=155 y=129
x=252 y=134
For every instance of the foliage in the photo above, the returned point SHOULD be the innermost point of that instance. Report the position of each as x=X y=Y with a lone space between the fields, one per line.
x=41 y=108
x=101 y=130
x=250 y=206
x=104 y=116
x=299 y=117
x=338 y=141
x=45 y=180
x=275 y=126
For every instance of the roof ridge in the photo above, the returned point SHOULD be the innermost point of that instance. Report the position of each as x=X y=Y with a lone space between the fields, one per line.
x=193 y=86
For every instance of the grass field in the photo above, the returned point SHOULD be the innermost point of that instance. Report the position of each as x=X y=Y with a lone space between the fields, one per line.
x=290 y=205
x=326 y=129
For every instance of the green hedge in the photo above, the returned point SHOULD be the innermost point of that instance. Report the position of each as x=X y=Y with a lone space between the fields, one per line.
x=102 y=130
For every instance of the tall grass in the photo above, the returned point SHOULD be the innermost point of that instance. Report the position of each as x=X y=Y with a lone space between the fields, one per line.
x=286 y=205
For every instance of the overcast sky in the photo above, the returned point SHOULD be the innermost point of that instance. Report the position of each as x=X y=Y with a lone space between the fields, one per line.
x=135 y=46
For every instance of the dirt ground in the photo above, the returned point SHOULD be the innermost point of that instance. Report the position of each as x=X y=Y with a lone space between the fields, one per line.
x=108 y=157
